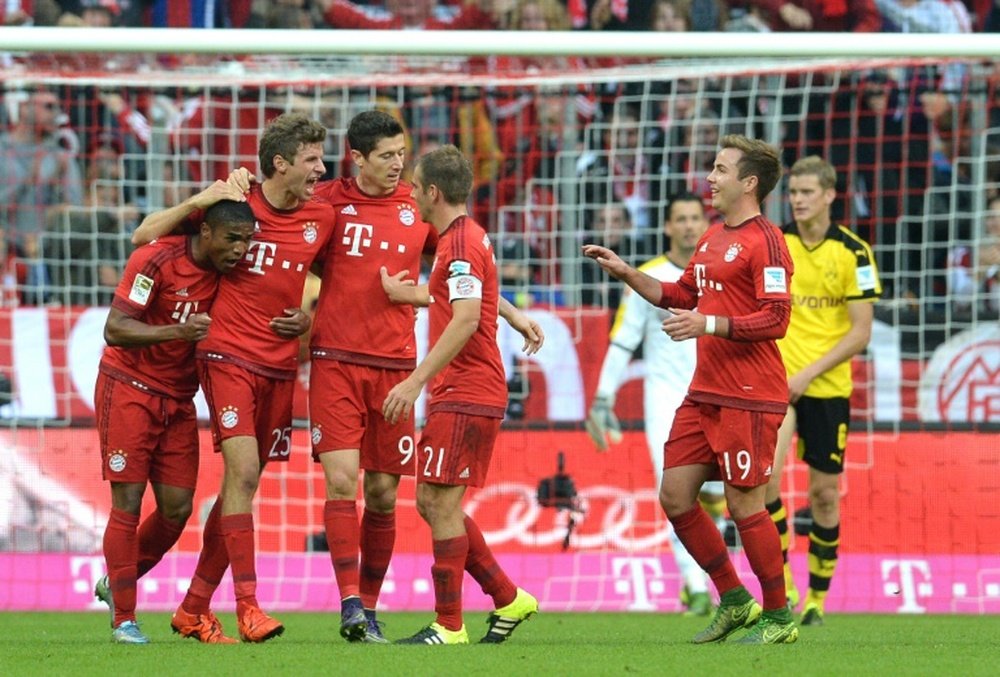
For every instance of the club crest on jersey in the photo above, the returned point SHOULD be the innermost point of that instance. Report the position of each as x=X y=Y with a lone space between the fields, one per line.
x=117 y=460
x=309 y=231
x=406 y=215
x=465 y=286
x=229 y=417
x=142 y=287
x=733 y=251
x=317 y=434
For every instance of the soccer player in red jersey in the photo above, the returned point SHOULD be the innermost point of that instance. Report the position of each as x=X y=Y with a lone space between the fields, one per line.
x=468 y=399
x=144 y=399
x=248 y=361
x=727 y=426
x=361 y=346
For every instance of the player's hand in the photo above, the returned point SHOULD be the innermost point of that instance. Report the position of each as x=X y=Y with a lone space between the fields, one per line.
x=399 y=402
x=607 y=259
x=797 y=385
x=397 y=287
x=602 y=424
x=241 y=179
x=195 y=327
x=294 y=323
x=220 y=190
x=532 y=332
x=682 y=324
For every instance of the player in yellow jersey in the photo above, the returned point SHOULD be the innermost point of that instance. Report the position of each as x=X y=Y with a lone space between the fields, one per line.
x=833 y=294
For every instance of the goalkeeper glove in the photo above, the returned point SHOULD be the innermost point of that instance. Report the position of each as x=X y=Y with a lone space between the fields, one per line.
x=602 y=424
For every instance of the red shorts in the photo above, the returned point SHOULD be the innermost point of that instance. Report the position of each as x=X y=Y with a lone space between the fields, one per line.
x=145 y=437
x=740 y=443
x=455 y=449
x=245 y=403
x=345 y=411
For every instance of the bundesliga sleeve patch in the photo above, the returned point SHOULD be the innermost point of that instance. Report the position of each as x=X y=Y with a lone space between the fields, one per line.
x=775 y=281
x=865 y=276
x=464 y=287
x=142 y=287
x=458 y=267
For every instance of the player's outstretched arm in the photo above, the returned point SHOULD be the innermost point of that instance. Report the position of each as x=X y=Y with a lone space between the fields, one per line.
x=644 y=285
x=463 y=324
x=128 y=332
x=532 y=332
x=403 y=291
x=164 y=221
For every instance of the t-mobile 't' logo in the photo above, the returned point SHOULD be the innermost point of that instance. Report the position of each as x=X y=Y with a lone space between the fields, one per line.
x=262 y=254
x=356 y=236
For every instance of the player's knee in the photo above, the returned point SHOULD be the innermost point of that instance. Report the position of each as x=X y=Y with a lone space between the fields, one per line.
x=380 y=491
x=673 y=504
x=341 y=486
x=824 y=500
x=177 y=512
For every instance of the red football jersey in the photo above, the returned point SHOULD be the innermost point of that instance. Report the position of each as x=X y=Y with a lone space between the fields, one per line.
x=162 y=284
x=465 y=267
x=268 y=280
x=355 y=322
x=736 y=272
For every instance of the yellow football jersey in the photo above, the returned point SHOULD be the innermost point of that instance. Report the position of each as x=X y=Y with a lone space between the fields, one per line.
x=838 y=271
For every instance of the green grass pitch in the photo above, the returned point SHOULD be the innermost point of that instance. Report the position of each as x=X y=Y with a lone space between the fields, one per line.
x=42 y=644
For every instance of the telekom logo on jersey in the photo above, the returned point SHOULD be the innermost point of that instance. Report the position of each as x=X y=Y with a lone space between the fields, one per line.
x=262 y=255
x=702 y=281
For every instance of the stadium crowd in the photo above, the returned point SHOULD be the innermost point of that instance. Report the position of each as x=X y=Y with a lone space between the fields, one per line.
x=79 y=181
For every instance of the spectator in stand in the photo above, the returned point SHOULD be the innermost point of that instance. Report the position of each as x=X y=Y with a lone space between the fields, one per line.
x=859 y=16
x=611 y=228
x=18 y=13
x=671 y=16
x=618 y=15
x=39 y=175
x=619 y=170
x=409 y=14
x=974 y=272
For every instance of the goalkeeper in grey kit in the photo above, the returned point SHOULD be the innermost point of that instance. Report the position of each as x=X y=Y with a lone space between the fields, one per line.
x=669 y=368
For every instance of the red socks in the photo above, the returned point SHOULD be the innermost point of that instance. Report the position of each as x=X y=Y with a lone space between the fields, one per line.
x=701 y=537
x=343 y=535
x=378 y=535
x=212 y=563
x=763 y=550
x=121 y=550
x=448 y=569
x=483 y=567
x=237 y=530
x=156 y=536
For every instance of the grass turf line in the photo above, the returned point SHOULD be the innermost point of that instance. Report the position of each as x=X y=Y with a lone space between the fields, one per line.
x=554 y=643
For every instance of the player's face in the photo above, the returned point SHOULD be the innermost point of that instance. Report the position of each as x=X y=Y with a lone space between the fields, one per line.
x=727 y=186
x=686 y=224
x=305 y=170
x=808 y=199
x=382 y=168
x=227 y=244
x=425 y=204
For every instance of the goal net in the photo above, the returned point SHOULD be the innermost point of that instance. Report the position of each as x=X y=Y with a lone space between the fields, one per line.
x=566 y=150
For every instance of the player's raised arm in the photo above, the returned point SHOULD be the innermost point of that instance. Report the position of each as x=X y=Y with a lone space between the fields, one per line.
x=158 y=224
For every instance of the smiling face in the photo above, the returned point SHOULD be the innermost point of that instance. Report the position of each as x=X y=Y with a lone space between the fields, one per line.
x=727 y=186
x=382 y=168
